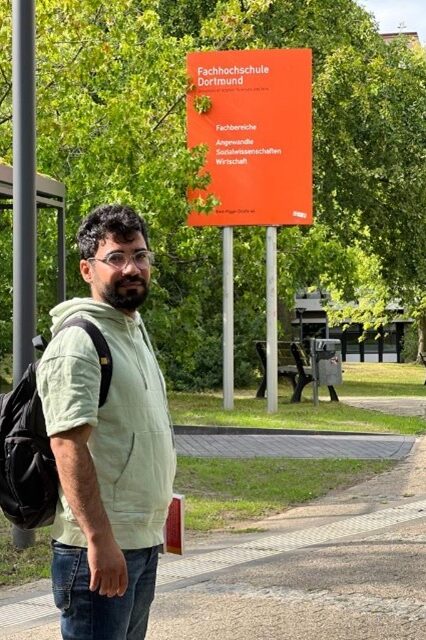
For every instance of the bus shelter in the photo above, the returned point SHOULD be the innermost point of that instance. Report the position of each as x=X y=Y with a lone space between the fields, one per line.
x=50 y=195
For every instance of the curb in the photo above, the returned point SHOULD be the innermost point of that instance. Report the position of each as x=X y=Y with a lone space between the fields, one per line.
x=208 y=430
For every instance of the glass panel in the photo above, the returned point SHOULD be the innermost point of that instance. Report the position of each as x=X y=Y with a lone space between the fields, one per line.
x=352 y=344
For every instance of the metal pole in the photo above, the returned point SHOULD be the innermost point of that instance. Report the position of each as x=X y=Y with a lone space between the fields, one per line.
x=24 y=201
x=314 y=365
x=301 y=325
x=61 y=253
x=271 y=319
x=228 y=319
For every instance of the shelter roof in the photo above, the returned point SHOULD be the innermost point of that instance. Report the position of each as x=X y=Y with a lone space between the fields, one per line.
x=49 y=192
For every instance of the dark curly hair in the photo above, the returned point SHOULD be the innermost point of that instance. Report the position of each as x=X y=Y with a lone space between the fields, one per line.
x=118 y=220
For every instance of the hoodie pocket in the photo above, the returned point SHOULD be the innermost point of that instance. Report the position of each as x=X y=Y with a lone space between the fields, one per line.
x=145 y=483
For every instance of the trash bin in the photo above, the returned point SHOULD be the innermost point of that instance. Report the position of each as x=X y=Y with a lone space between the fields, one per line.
x=327 y=359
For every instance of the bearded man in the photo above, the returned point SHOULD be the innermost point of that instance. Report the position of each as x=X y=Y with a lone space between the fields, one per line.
x=116 y=463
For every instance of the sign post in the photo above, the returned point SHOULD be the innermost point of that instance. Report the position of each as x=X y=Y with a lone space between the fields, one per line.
x=228 y=318
x=252 y=109
x=271 y=320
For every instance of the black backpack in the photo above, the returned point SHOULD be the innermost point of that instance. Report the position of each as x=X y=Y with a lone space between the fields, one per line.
x=28 y=475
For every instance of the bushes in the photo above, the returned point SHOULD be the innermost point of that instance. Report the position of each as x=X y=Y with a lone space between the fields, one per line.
x=411 y=344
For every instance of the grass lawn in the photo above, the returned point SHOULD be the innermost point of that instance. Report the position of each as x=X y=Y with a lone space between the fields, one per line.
x=360 y=379
x=382 y=379
x=221 y=492
x=20 y=566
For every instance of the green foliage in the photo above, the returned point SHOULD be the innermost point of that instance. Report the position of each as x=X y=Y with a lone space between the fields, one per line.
x=6 y=282
x=368 y=306
x=202 y=104
x=111 y=80
x=410 y=344
x=372 y=176
x=185 y=17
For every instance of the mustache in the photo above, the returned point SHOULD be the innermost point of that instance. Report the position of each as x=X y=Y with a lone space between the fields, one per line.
x=131 y=280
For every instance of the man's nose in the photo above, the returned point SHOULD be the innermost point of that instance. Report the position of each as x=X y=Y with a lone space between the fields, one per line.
x=130 y=267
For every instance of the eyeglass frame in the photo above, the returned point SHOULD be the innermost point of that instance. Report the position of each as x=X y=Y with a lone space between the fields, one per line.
x=149 y=255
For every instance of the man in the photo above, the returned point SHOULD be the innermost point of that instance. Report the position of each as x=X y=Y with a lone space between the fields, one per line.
x=116 y=463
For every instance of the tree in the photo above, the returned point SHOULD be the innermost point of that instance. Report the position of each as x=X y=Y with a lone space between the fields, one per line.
x=369 y=148
x=373 y=175
x=111 y=124
x=106 y=75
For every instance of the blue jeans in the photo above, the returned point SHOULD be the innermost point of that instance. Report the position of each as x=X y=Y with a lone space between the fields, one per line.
x=85 y=615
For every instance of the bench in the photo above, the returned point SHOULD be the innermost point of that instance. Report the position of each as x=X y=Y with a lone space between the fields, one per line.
x=293 y=364
x=422 y=355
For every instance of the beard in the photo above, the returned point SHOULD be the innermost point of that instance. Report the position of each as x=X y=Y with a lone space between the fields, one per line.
x=132 y=299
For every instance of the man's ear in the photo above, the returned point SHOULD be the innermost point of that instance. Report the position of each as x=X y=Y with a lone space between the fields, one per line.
x=86 y=271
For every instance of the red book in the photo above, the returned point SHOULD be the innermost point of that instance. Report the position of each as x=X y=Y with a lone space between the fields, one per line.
x=175 y=526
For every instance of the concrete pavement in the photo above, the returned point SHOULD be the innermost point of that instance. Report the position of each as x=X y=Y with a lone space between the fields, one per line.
x=277 y=444
x=351 y=565
x=359 y=572
x=396 y=405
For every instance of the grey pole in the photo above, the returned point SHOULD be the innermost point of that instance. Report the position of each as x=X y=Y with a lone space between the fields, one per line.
x=61 y=253
x=271 y=320
x=228 y=319
x=314 y=362
x=24 y=201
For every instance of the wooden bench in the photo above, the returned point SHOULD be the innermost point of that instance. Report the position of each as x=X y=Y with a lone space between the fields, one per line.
x=422 y=355
x=293 y=364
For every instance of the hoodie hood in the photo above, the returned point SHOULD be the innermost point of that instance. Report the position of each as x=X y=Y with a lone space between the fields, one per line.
x=63 y=311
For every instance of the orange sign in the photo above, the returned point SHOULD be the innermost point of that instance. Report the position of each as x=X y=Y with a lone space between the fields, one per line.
x=256 y=120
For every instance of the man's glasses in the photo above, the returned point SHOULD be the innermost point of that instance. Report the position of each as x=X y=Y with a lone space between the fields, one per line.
x=119 y=261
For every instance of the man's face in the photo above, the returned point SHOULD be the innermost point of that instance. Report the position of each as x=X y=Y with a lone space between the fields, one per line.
x=123 y=288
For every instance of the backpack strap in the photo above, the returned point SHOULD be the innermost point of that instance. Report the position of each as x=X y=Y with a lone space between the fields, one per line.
x=102 y=349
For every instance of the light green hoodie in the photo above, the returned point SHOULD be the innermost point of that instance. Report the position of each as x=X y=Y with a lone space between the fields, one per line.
x=131 y=442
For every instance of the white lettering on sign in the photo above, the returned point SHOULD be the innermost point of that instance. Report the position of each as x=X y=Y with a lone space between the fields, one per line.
x=227 y=143
x=219 y=82
x=236 y=127
x=225 y=76
x=232 y=71
x=231 y=161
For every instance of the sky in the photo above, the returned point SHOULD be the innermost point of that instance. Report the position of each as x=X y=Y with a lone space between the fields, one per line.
x=390 y=14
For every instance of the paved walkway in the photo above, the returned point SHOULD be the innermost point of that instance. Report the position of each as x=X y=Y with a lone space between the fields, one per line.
x=396 y=405
x=249 y=443
x=293 y=446
x=349 y=566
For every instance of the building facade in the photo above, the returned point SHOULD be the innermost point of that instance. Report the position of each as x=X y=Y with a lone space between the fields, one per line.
x=384 y=344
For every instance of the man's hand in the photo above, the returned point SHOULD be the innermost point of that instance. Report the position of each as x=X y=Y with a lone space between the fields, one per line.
x=108 y=569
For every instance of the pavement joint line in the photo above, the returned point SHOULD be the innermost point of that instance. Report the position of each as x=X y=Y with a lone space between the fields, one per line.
x=176 y=570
